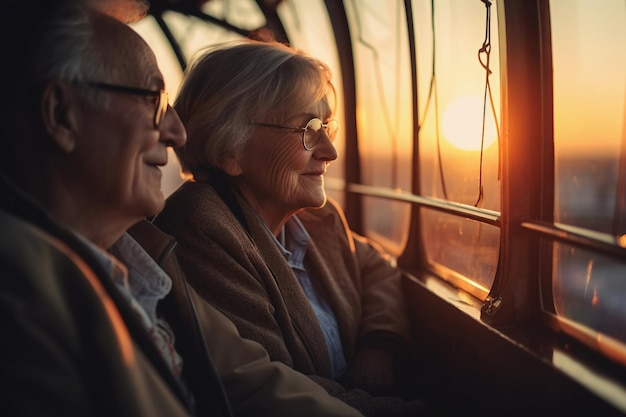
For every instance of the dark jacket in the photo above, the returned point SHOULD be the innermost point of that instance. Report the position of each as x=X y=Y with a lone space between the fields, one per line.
x=71 y=346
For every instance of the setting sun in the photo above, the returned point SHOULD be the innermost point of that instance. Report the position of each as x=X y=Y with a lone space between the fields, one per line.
x=462 y=123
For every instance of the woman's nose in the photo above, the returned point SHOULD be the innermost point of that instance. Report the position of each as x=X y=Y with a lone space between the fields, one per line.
x=325 y=149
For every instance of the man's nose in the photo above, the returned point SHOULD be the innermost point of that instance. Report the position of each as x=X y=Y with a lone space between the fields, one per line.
x=173 y=131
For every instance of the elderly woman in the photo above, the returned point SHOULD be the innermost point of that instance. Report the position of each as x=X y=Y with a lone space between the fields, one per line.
x=256 y=235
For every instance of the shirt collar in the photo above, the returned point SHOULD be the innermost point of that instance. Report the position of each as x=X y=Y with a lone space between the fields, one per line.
x=296 y=233
x=292 y=241
x=147 y=282
x=117 y=270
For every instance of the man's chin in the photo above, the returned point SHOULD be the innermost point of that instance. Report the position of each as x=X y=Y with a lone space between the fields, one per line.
x=152 y=206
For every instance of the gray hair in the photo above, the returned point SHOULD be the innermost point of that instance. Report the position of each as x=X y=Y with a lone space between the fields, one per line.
x=60 y=55
x=57 y=45
x=233 y=85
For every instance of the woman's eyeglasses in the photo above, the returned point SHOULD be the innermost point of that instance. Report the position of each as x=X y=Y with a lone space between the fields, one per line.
x=162 y=99
x=311 y=132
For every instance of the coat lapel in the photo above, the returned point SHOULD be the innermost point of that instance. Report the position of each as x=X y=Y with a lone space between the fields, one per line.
x=305 y=322
x=335 y=260
x=180 y=312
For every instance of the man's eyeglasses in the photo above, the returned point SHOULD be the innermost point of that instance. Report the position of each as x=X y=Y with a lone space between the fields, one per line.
x=311 y=132
x=162 y=99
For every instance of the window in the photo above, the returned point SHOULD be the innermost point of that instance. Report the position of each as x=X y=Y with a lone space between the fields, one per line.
x=588 y=287
x=458 y=96
x=384 y=116
x=427 y=123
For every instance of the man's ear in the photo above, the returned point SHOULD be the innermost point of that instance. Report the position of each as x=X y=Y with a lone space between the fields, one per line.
x=58 y=113
x=231 y=166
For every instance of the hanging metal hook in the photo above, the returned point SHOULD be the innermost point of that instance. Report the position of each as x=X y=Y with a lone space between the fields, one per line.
x=486 y=47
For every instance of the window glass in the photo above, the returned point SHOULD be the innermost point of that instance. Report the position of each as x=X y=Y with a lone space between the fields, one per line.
x=589 y=60
x=589 y=107
x=244 y=14
x=466 y=252
x=454 y=100
x=590 y=289
x=384 y=113
x=194 y=34
x=459 y=102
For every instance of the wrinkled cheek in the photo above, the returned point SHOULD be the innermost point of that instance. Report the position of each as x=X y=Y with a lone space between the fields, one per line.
x=282 y=182
x=284 y=165
x=278 y=173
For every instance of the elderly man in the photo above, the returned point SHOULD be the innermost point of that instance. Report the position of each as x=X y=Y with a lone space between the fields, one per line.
x=87 y=315
x=80 y=164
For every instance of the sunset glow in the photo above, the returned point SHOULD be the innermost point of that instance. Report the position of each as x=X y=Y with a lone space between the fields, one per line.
x=462 y=124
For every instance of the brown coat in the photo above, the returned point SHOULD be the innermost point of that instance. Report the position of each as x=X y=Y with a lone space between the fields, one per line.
x=209 y=343
x=244 y=275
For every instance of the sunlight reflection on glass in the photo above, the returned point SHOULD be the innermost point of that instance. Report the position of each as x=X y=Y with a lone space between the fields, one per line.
x=462 y=124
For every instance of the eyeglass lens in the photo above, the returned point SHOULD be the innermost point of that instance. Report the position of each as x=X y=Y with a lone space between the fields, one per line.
x=161 y=108
x=313 y=129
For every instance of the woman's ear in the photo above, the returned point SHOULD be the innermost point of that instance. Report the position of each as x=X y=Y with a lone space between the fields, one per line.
x=58 y=113
x=231 y=166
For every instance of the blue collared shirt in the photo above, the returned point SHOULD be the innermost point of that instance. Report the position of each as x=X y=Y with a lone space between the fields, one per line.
x=143 y=283
x=293 y=243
